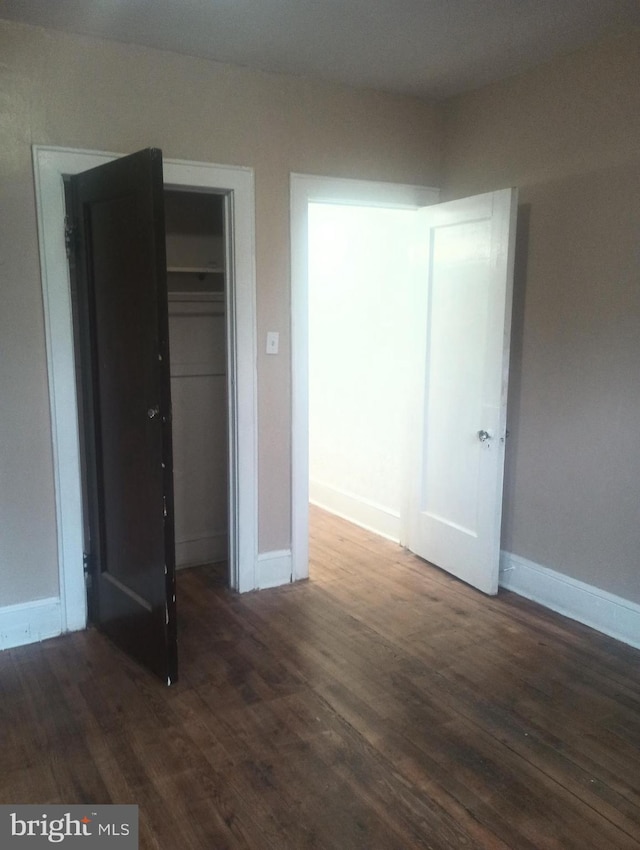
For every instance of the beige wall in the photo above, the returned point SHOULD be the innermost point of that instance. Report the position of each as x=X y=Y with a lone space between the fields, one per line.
x=568 y=134
x=85 y=93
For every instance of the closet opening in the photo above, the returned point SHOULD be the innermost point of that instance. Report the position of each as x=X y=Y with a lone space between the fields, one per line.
x=196 y=242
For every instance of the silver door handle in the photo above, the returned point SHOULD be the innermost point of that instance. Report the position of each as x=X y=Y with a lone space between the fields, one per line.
x=483 y=436
x=153 y=412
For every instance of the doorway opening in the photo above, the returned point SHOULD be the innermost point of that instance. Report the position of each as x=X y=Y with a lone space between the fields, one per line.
x=361 y=293
x=196 y=241
x=313 y=193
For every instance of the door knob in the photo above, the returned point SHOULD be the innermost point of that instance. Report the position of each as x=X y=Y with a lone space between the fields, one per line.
x=483 y=436
x=153 y=412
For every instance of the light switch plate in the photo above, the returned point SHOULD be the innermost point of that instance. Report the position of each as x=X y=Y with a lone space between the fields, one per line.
x=273 y=342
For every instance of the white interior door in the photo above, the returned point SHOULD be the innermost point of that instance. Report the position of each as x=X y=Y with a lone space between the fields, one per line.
x=456 y=468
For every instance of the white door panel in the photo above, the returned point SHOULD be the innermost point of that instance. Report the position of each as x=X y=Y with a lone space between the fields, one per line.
x=455 y=487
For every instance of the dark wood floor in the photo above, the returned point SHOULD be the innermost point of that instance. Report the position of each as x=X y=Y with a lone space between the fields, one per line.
x=380 y=705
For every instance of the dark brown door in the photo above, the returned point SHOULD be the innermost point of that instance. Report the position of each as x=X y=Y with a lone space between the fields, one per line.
x=118 y=211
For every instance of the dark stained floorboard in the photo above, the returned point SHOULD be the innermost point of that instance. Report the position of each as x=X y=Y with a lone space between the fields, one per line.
x=381 y=705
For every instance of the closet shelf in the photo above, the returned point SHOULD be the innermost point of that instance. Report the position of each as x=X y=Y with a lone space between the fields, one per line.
x=195 y=270
x=172 y=295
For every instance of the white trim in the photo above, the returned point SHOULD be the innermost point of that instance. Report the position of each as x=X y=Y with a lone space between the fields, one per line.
x=50 y=164
x=305 y=189
x=274 y=569
x=356 y=509
x=610 y=614
x=30 y=622
x=208 y=549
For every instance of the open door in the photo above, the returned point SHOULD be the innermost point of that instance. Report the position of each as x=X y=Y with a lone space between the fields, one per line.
x=122 y=301
x=457 y=460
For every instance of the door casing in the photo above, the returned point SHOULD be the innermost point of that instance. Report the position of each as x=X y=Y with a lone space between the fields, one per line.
x=305 y=188
x=51 y=164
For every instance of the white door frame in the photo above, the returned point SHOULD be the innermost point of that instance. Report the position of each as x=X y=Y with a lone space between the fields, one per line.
x=305 y=189
x=51 y=164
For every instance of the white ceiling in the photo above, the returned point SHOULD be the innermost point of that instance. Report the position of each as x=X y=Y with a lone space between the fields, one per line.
x=428 y=48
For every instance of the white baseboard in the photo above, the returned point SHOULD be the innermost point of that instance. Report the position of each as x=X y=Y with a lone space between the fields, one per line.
x=585 y=603
x=30 y=622
x=203 y=550
x=356 y=509
x=274 y=569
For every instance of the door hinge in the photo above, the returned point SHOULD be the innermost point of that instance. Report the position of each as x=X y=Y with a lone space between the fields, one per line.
x=164 y=506
x=87 y=563
x=70 y=237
